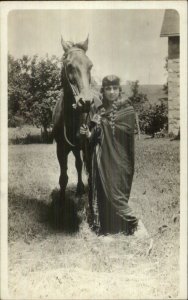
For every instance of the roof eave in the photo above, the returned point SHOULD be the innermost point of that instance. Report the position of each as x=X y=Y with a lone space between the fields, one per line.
x=169 y=34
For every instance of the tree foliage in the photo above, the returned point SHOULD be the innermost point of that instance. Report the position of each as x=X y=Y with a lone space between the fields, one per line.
x=151 y=118
x=137 y=98
x=33 y=89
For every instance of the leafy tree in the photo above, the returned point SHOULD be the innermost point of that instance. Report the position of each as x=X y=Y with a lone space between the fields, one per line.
x=18 y=87
x=45 y=88
x=138 y=100
x=150 y=118
x=154 y=118
x=33 y=89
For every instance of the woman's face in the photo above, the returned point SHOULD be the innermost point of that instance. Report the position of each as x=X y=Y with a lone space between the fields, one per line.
x=111 y=93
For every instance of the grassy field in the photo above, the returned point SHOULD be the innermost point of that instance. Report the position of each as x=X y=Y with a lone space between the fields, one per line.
x=47 y=263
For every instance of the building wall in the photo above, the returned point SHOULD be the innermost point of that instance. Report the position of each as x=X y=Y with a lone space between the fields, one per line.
x=173 y=85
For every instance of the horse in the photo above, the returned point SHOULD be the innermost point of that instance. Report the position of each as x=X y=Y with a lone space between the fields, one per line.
x=72 y=110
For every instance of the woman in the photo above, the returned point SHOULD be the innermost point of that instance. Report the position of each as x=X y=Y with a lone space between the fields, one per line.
x=112 y=139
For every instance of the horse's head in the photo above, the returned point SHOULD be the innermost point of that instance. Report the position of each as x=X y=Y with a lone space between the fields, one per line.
x=76 y=71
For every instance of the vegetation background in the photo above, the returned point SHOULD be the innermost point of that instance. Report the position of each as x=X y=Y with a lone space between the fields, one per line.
x=34 y=87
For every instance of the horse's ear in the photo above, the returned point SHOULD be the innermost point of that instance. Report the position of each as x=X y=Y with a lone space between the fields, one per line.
x=84 y=45
x=65 y=45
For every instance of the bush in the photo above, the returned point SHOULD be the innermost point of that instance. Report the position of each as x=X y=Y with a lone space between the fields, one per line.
x=154 y=119
x=12 y=122
x=15 y=120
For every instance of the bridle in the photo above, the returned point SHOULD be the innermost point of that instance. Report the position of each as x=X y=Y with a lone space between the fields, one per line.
x=72 y=86
x=75 y=93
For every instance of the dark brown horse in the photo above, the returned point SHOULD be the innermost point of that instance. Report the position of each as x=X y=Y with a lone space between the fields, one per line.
x=72 y=110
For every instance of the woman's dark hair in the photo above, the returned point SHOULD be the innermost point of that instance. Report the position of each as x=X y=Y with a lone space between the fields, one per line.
x=102 y=89
x=110 y=80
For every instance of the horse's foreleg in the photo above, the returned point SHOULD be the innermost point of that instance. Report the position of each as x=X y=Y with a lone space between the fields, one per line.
x=78 y=163
x=62 y=155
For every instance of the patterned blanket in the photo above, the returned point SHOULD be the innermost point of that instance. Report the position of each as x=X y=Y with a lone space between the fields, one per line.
x=113 y=169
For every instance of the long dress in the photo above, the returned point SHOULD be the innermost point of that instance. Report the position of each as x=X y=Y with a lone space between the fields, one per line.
x=112 y=171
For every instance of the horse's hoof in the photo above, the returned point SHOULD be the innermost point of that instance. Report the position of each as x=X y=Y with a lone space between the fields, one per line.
x=80 y=189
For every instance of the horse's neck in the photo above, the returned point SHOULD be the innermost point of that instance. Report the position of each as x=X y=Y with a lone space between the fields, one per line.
x=67 y=94
x=71 y=117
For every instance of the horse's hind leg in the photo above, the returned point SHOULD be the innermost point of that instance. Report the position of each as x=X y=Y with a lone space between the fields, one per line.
x=62 y=155
x=78 y=163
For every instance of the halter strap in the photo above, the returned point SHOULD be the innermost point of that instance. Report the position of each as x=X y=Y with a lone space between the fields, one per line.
x=74 y=91
x=73 y=49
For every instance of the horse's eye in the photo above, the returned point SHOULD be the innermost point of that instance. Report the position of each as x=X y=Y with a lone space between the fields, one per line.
x=70 y=68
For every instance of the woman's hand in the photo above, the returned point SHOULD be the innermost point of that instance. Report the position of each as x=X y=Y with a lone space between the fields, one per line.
x=96 y=119
x=84 y=130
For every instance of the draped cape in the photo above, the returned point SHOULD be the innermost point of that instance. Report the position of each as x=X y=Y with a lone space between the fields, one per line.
x=113 y=169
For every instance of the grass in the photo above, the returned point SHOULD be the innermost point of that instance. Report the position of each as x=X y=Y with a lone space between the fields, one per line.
x=51 y=264
x=27 y=134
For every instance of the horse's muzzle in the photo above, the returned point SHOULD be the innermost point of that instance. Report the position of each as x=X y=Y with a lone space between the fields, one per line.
x=87 y=105
x=83 y=106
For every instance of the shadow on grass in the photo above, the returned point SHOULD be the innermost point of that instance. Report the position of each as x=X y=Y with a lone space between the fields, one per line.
x=30 y=218
x=65 y=215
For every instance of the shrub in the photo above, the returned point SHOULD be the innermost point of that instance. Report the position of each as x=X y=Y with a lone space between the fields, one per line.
x=12 y=121
x=154 y=119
